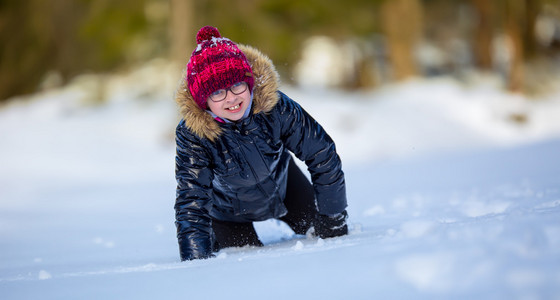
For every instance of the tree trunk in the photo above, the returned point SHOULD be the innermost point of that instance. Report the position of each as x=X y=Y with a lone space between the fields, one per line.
x=483 y=34
x=402 y=23
x=514 y=20
x=182 y=30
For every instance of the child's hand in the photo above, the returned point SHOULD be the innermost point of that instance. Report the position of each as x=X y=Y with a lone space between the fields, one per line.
x=331 y=226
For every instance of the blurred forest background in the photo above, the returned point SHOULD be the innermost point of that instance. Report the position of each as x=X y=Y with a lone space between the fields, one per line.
x=354 y=44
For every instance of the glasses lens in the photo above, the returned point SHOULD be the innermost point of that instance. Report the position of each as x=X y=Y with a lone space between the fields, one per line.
x=218 y=95
x=236 y=89
x=239 y=87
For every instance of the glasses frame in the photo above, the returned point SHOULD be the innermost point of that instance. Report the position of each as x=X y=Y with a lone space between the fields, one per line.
x=245 y=86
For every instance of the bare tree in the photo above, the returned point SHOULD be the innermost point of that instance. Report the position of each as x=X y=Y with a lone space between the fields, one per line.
x=483 y=33
x=514 y=20
x=181 y=31
x=402 y=23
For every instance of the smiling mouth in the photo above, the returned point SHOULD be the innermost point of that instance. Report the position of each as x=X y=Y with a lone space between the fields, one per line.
x=234 y=107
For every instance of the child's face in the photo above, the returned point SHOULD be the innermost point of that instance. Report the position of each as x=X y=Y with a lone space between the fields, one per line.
x=232 y=107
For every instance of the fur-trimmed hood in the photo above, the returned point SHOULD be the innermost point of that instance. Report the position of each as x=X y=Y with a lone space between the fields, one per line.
x=265 y=96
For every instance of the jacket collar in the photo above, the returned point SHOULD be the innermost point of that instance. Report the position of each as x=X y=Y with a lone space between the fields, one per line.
x=265 y=96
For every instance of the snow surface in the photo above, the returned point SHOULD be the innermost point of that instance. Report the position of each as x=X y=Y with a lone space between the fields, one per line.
x=448 y=199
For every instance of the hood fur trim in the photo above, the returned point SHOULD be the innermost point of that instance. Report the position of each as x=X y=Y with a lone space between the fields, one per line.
x=265 y=96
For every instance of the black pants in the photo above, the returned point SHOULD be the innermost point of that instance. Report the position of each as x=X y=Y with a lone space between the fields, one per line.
x=300 y=202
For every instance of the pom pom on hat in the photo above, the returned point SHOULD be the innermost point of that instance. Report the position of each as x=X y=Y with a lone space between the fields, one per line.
x=216 y=63
x=206 y=33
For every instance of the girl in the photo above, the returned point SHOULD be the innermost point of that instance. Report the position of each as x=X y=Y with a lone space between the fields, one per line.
x=233 y=162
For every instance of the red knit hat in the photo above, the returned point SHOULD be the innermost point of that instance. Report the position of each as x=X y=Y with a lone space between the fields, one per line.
x=215 y=64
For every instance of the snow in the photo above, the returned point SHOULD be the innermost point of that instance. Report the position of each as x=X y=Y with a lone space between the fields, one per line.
x=448 y=198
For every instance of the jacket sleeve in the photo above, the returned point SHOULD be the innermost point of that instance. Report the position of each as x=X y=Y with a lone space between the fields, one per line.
x=309 y=142
x=193 y=197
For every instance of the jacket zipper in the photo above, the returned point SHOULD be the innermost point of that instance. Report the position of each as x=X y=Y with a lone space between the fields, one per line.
x=250 y=167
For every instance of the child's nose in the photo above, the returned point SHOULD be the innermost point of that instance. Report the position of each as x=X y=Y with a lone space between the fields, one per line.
x=230 y=95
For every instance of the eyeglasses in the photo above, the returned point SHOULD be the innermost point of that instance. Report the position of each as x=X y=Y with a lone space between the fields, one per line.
x=236 y=89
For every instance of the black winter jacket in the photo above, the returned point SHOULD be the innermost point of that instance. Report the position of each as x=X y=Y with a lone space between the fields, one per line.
x=238 y=171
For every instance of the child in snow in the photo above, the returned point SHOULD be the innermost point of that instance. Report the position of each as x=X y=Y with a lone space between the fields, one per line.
x=233 y=165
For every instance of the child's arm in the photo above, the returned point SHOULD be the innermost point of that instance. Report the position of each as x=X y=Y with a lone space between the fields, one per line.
x=307 y=139
x=193 y=198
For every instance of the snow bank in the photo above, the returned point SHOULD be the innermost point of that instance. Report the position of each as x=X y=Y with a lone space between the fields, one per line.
x=449 y=198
